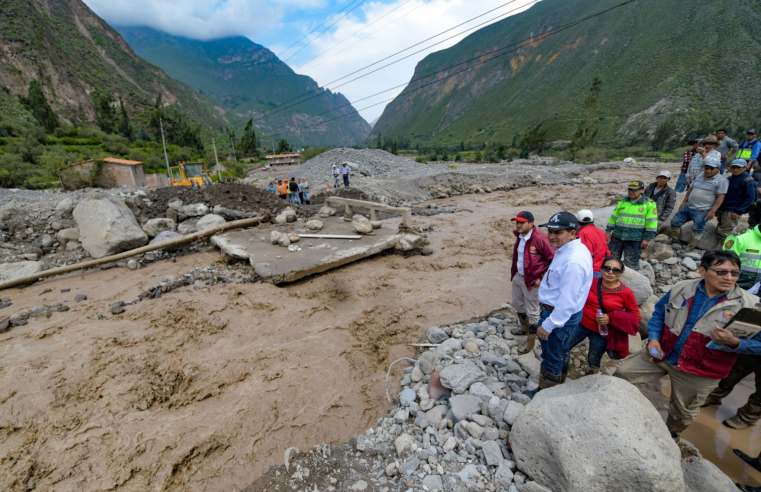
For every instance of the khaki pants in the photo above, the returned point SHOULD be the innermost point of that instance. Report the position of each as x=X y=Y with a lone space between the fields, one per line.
x=726 y=224
x=688 y=391
x=524 y=300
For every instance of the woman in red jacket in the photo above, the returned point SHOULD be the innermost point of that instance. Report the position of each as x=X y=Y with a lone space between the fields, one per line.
x=620 y=314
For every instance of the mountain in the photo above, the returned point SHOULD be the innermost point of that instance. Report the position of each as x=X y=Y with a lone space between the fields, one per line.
x=72 y=52
x=248 y=80
x=689 y=63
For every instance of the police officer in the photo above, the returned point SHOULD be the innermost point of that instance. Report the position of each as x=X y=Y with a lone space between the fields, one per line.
x=632 y=225
x=748 y=247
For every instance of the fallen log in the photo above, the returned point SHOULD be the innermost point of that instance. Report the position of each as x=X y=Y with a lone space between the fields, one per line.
x=238 y=224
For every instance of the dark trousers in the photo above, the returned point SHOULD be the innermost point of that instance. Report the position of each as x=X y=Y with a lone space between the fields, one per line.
x=745 y=366
x=346 y=179
x=597 y=345
x=754 y=215
x=630 y=250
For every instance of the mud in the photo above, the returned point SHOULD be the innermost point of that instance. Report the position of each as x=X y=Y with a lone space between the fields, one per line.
x=205 y=391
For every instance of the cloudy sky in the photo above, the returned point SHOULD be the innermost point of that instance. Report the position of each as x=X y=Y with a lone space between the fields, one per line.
x=347 y=34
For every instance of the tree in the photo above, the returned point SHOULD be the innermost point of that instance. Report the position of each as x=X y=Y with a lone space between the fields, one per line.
x=124 y=125
x=394 y=148
x=586 y=133
x=283 y=147
x=39 y=107
x=534 y=140
x=105 y=115
x=380 y=141
x=248 y=141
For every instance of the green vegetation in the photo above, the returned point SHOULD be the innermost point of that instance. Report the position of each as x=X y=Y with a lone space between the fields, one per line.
x=312 y=152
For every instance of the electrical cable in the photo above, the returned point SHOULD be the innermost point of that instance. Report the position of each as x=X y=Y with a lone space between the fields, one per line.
x=313 y=30
x=405 y=49
x=532 y=39
x=326 y=30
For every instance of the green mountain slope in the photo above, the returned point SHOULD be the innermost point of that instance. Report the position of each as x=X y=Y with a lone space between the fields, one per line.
x=248 y=80
x=73 y=52
x=694 y=59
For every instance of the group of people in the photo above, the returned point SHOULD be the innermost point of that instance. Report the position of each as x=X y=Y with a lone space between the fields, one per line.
x=339 y=172
x=293 y=191
x=566 y=288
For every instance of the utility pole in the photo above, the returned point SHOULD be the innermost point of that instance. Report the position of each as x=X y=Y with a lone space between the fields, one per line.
x=166 y=157
x=219 y=173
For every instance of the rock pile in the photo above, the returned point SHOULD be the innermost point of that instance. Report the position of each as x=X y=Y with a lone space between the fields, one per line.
x=366 y=162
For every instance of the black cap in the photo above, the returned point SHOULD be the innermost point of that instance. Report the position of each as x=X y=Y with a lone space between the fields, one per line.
x=524 y=217
x=752 y=131
x=695 y=140
x=562 y=221
x=636 y=185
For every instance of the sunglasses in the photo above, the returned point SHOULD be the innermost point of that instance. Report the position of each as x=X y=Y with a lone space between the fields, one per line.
x=723 y=273
x=608 y=269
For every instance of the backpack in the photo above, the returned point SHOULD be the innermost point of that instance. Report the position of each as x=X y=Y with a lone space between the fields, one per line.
x=745 y=188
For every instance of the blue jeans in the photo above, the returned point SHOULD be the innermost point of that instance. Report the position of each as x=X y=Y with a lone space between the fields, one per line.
x=597 y=345
x=631 y=251
x=723 y=166
x=294 y=198
x=553 y=349
x=597 y=274
x=681 y=183
x=697 y=217
x=346 y=180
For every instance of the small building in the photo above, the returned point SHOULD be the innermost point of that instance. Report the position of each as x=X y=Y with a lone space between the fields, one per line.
x=116 y=172
x=284 y=159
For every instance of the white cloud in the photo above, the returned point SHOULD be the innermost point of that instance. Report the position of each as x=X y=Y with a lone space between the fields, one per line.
x=200 y=19
x=423 y=22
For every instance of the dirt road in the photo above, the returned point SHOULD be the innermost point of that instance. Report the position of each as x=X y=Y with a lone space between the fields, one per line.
x=204 y=391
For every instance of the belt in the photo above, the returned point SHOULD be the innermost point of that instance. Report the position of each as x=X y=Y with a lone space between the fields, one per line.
x=545 y=307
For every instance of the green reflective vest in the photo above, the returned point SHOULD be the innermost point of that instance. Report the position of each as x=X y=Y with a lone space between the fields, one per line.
x=634 y=221
x=748 y=247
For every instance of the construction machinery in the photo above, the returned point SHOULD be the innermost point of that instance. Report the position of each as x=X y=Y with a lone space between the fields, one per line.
x=194 y=174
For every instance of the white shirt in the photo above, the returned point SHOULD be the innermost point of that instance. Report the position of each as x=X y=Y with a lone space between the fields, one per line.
x=566 y=284
x=521 y=248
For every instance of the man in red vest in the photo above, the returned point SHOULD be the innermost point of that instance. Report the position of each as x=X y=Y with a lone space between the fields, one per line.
x=532 y=255
x=684 y=322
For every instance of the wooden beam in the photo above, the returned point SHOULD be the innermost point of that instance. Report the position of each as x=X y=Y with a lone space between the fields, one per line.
x=328 y=236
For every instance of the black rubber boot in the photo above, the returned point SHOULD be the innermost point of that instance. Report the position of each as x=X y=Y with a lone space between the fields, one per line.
x=747 y=488
x=754 y=462
x=548 y=380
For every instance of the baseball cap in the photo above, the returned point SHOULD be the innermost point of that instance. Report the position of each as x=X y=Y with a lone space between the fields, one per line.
x=694 y=140
x=665 y=174
x=739 y=163
x=752 y=131
x=711 y=162
x=524 y=217
x=562 y=221
x=636 y=185
x=585 y=216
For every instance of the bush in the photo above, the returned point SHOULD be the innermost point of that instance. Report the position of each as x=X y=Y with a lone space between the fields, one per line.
x=458 y=157
x=312 y=152
x=421 y=159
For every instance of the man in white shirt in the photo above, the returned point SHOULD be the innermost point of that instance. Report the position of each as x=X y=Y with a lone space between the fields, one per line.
x=562 y=294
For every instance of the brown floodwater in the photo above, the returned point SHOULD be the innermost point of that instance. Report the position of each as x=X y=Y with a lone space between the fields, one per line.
x=716 y=442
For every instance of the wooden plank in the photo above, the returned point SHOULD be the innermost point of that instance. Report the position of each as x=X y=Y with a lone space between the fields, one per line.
x=328 y=236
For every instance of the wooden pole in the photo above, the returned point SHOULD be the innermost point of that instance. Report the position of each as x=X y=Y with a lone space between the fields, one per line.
x=238 y=224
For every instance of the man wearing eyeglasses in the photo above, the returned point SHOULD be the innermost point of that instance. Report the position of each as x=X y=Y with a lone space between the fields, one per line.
x=685 y=320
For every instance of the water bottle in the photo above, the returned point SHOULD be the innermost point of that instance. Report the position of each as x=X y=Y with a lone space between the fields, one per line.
x=603 y=328
x=657 y=353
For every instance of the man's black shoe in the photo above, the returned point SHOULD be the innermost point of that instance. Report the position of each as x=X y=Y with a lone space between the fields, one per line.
x=749 y=460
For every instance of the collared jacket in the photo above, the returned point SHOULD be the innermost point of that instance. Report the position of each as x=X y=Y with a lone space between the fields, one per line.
x=537 y=256
x=741 y=194
x=748 y=247
x=670 y=319
x=665 y=199
x=634 y=221
x=596 y=242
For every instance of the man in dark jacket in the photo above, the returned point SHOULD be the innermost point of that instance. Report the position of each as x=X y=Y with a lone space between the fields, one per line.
x=741 y=194
x=664 y=197
x=532 y=255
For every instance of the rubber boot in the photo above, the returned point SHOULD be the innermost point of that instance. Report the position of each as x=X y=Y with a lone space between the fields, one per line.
x=523 y=329
x=648 y=249
x=747 y=416
x=694 y=241
x=754 y=462
x=591 y=371
x=675 y=427
x=711 y=400
x=548 y=380
x=747 y=488
x=530 y=340
x=676 y=234
x=564 y=375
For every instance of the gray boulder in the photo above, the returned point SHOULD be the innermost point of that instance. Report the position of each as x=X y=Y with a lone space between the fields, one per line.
x=209 y=221
x=700 y=475
x=459 y=377
x=175 y=204
x=661 y=251
x=464 y=405
x=188 y=227
x=65 y=236
x=194 y=210
x=154 y=227
x=626 y=445
x=362 y=225
x=165 y=236
x=647 y=271
x=436 y=334
x=710 y=239
x=12 y=271
x=409 y=242
x=637 y=283
x=107 y=226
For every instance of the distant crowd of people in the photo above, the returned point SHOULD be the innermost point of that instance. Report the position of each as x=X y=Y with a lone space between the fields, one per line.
x=567 y=288
x=293 y=191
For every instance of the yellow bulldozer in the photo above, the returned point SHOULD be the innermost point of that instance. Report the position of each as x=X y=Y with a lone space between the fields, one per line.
x=194 y=174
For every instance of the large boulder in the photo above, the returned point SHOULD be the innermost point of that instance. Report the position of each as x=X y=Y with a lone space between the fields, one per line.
x=209 y=221
x=107 y=226
x=700 y=475
x=596 y=434
x=459 y=377
x=65 y=236
x=638 y=283
x=165 y=236
x=12 y=271
x=154 y=227
x=710 y=239
x=647 y=270
x=362 y=225
x=194 y=210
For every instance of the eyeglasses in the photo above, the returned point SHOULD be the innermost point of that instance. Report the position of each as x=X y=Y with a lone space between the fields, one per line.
x=723 y=273
x=608 y=269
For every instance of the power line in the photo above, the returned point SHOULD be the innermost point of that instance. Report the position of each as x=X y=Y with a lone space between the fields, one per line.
x=326 y=30
x=313 y=30
x=528 y=40
x=400 y=59
x=370 y=24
